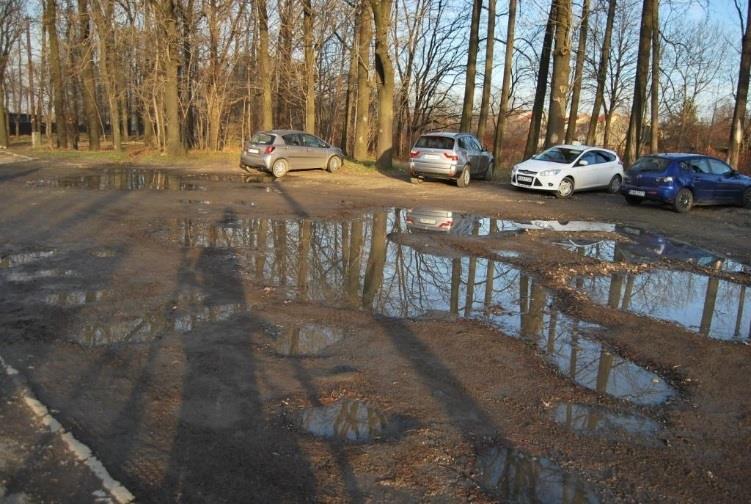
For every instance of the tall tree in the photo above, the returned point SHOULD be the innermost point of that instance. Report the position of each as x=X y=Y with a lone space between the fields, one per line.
x=349 y=108
x=578 y=72
x=104 y=18
x=602 y=73
x=561 y=71
x=264 y=65
x=284 y=64
x=88 y=94
x=741 y=94
x=10 y=30
x=469 y=83
x=56 y=74
x=487 y=80
x=364 y=37
x=174 y=141
x=310 y=62
x=535 y=120
x=654 y=107
x=633 y=136
x=32 y=103
x=506 y=86
x=385 y=79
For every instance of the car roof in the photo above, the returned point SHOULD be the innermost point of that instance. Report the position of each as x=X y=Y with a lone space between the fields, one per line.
x=582 y=148
x=282 y=131
x=677 y=155
x=450 y=134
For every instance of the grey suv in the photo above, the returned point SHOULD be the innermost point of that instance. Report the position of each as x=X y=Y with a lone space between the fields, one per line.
x=280 y=151
x=450 y=156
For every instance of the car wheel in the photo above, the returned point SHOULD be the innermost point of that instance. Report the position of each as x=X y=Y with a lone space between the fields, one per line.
x=335 y=162
x=490 y=171
x=565 y=188
x=463 y=180
x=747 y=198
x=415 y=180
x=615 y=184
x=684 y=200
x=280 y=168
x=631 y=200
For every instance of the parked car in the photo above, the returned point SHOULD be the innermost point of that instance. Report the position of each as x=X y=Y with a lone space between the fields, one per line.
x=567 y=168
x=450 y=156
x=685 y=180
x=280 y=151
x=442 y=221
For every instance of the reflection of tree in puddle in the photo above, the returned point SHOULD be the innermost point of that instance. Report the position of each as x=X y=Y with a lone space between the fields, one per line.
x=716 y=308
x=21 y=258
x=306 y=339
x=515 y=476
x=602 y=422
x=346 y=420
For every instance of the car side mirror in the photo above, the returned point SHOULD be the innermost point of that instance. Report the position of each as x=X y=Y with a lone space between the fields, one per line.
x=583 y=162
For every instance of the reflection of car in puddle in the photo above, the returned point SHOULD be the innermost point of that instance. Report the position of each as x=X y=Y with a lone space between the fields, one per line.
x=444 y=221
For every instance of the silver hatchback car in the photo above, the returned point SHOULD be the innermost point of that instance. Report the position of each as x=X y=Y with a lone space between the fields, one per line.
x=280 y=151
x=450 y=156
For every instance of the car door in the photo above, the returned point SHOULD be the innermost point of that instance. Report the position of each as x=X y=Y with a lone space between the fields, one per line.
x=728 y=188
x=606 y=168
x=704 y=181
x=317 y=155
x=294 y=151
x=465 y=149
x=585 y=173
x=479 y=158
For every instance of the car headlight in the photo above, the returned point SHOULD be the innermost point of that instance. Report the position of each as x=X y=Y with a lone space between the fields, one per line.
x=513 y=170
x=548 y=173
x=664 y=180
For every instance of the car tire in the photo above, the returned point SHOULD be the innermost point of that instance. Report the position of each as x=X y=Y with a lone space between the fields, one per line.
x=280 y=168
x=415 y=180
x=614 y=186
x=335 y=162
x=464 y=178
x=565 y=188
x=490 y=172
x=684 y=200
x=747 y=198
x=633 y=200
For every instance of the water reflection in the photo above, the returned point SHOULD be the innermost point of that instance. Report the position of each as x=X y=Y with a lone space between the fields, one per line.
x=708 y=305
x=515 y=476
x=594 y=420
x=345 y=420
x=76 y=297
x=21 y=258
x=305 y=339
x=30 y=276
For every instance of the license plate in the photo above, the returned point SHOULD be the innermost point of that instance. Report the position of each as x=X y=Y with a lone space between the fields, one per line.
x=427 y=221
x=430 y=156
x=634 y=192
x=253 y=151
x=522 y=178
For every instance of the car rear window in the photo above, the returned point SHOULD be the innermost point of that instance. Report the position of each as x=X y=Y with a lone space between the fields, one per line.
x=559 y=155
x=262 y=138
x=649 y=164
x=435 y=142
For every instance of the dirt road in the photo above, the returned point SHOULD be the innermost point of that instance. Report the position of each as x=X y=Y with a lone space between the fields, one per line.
x=353 y=337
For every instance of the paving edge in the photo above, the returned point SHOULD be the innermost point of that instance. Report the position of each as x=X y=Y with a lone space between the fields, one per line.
x=82 y=452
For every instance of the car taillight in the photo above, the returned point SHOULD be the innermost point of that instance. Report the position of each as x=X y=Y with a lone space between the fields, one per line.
x=269 y=149
x=413 y=154
x=451 y=156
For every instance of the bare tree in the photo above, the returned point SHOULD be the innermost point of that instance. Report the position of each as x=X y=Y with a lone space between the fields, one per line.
x=561 y=70
x=87 y=75
x=506 y=86
x=535 y=120
x=385 y=79
x=633 y=137
x=741 y=94
x=10 y=30
x=364 y=37
x=654 y=106
x=602 y=70
x=310 y=91
x=264 y=65
x=578 y=73
x=487 y=80
x=56 y=74
x=469 y=83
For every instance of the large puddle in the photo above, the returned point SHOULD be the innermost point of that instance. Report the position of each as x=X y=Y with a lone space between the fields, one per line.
x=601 y=422
x=708 y=305
x=345 y=420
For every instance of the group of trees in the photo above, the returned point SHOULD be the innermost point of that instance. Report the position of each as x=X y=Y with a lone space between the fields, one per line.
x=371 y=75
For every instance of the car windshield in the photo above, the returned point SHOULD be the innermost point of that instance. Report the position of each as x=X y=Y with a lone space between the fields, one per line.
x=558 y=155
x=262 y=138
x=649 y=164
x=435 y=142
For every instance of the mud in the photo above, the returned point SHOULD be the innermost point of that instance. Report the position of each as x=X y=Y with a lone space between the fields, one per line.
x=324 y=340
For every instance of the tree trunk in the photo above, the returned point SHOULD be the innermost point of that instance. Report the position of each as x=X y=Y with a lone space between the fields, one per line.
x=602 y=73
x=579 y=70
x=487 y=80
x=104 y=21
x=4 y=140
x=264 y=66
x=32 y=103
x=88 y=93
x=56 y=74
x=351 y=78
x=284 y=59
x=741 y=96
x=561 y=71
x=308 y=49
x=633 y=137
x=469 y=84
x=533 y=137
x=364 y=37
x=171 y=92
x=506 y=86
x=385 y=78
x=654 y=130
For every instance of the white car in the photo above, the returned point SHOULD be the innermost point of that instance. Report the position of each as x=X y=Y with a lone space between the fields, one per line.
x=567 y=168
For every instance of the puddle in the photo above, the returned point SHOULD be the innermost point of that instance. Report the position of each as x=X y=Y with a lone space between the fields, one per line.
x=136 y=179
x=30 y=276
x=598 y=421
x=345 y=420
x=305 y=339
x=13 y=260
x=512 y=475
x=75 y=297
x=708 y=305
x=103 y=252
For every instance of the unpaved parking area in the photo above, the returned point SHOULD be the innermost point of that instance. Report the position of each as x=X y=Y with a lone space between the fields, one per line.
x=352 y=337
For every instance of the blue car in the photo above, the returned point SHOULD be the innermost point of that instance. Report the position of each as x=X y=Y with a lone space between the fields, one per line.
x=685 y=180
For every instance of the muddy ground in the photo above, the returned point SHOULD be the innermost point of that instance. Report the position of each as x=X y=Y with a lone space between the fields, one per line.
x=220 y=338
